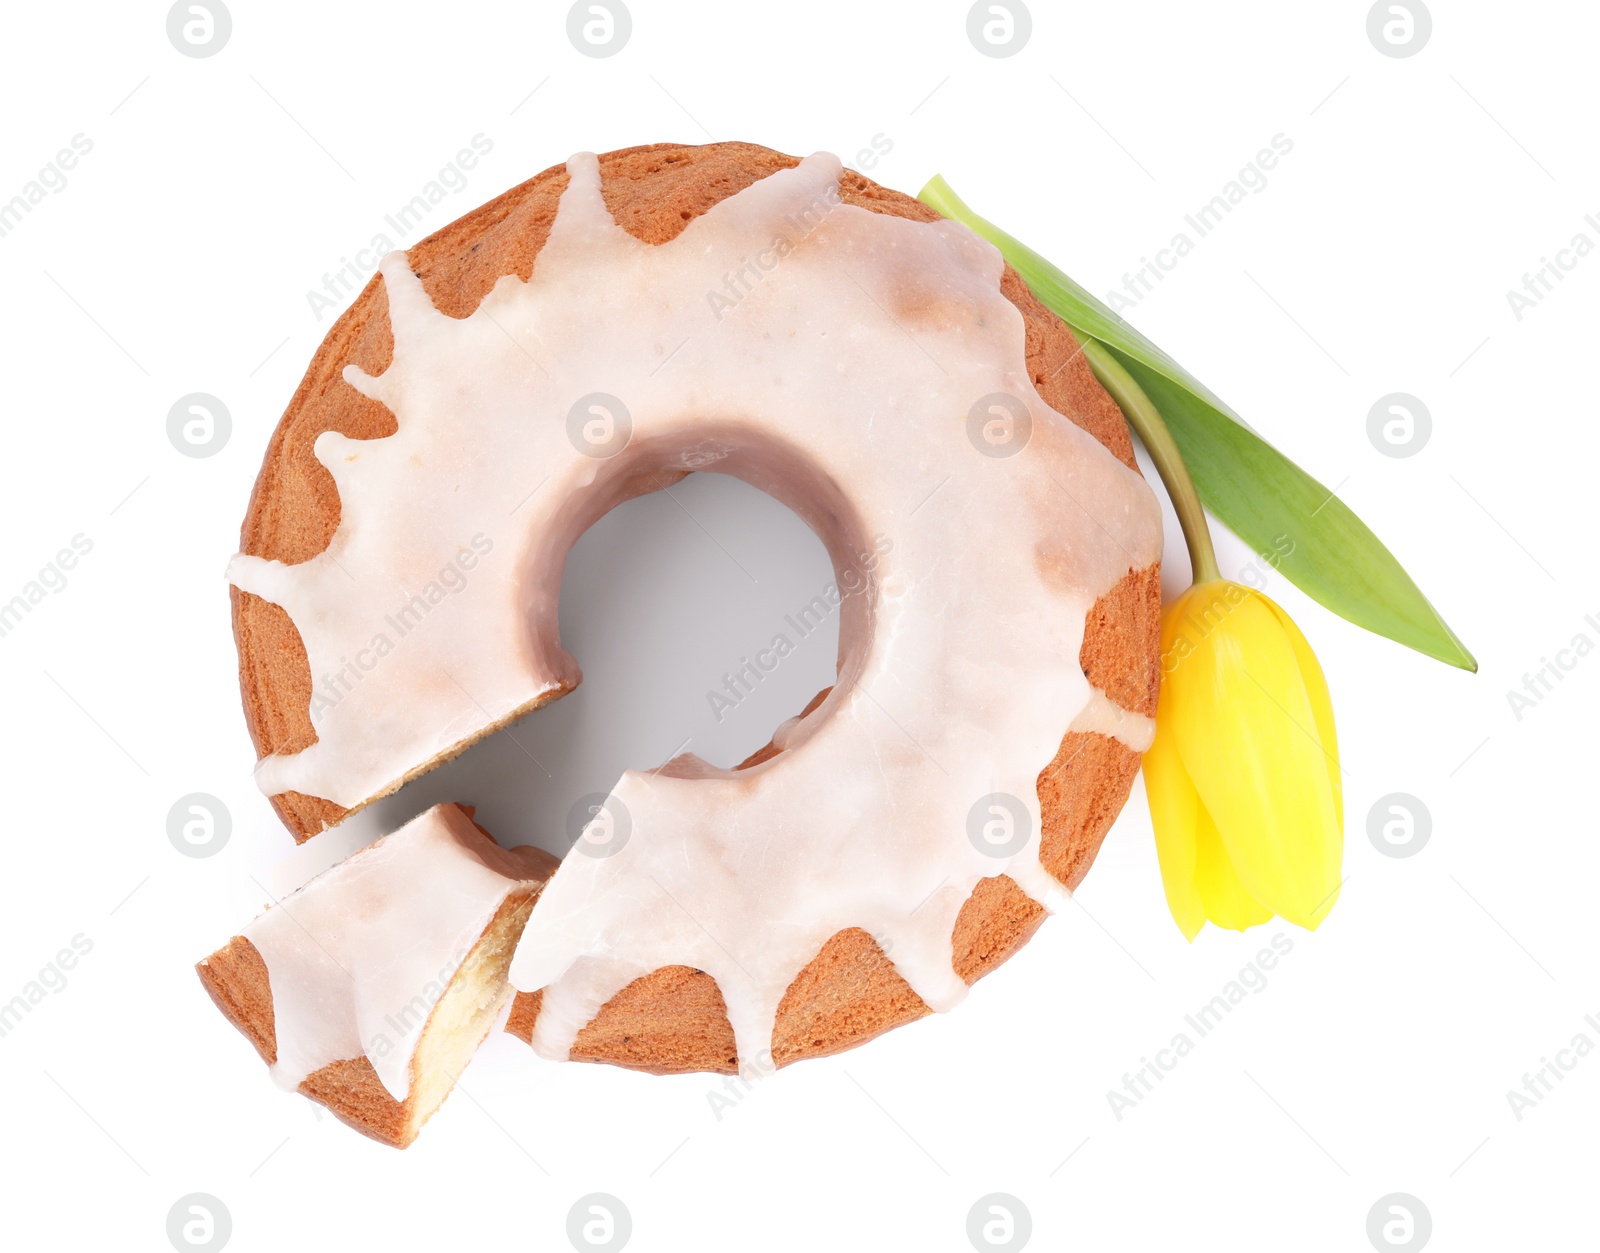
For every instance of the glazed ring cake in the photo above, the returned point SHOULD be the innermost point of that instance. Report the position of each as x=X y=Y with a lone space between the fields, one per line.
x=598 y=333
x=369 y=989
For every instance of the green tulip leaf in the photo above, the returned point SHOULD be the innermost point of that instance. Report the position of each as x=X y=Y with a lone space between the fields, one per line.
x=1261 y=495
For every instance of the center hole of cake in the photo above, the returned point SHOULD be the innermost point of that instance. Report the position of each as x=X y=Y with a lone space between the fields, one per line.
x=705 y=616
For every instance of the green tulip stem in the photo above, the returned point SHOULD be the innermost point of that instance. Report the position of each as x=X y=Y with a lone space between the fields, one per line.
x=1163 y=449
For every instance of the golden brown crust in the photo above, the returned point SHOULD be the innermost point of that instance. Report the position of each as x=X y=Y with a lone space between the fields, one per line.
x=235 y=977
x=1124 y=626
x=351 y=1091
x=674 y=1019
x=848 y=993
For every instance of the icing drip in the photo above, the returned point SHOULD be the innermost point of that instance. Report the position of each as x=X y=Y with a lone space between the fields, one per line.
x=831 y=356
x=359 y=956
x=1104 y=716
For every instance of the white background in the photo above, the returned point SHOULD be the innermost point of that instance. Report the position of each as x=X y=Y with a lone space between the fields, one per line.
x=1378 y=1057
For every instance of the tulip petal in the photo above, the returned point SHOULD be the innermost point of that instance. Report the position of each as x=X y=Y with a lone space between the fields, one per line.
x=1250 y=740
x=1321 y=702
x=1174 y=808
x=1227 y=903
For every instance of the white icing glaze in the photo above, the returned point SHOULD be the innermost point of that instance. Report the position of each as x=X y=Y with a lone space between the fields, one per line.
x=1103 y=716
x=359 y=956
x=831 y=356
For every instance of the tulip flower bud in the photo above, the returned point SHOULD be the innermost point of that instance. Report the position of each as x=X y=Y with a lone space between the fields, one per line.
x=1243 y=777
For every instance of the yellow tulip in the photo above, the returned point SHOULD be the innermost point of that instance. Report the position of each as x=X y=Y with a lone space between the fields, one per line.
x=1243 y=777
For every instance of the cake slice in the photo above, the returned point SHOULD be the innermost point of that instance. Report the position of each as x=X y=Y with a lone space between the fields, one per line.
x=370 y=988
